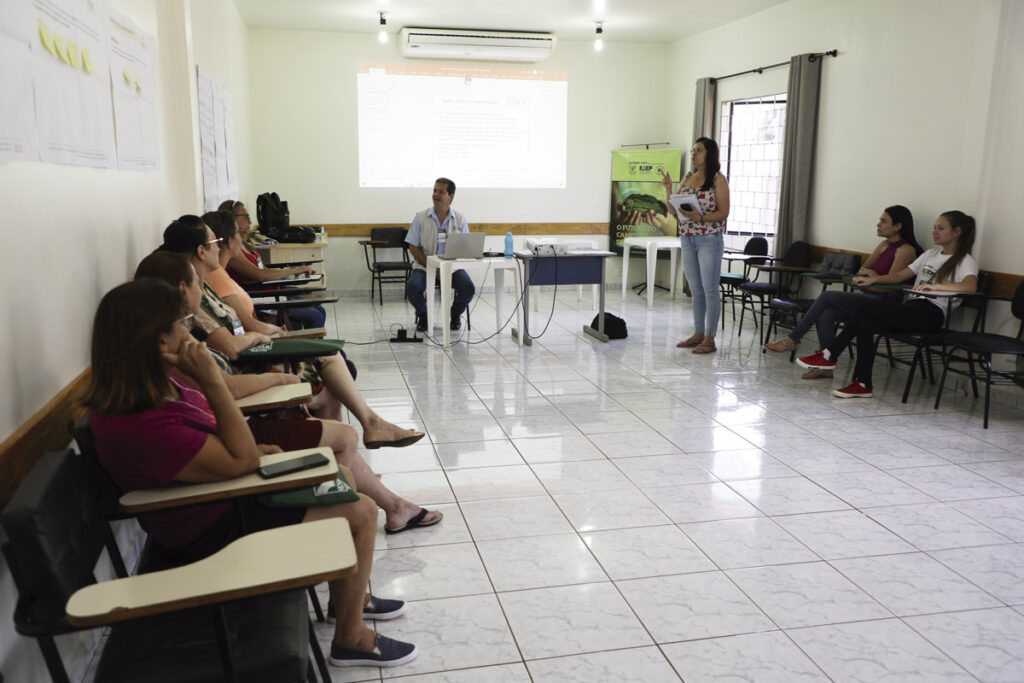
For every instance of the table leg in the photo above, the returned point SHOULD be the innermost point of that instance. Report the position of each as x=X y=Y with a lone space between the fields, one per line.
x=524 y=319
x=429 y=292
x=674 y=267
x=652 y=265
x=499 y=295
x=519 y=309
x=625 y=268
x=599 y=332
x=446 y=303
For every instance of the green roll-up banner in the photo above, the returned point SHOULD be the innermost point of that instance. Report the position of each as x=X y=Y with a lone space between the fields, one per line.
x=638 y=197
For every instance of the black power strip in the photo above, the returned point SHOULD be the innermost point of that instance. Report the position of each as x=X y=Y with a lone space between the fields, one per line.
x=403 y=337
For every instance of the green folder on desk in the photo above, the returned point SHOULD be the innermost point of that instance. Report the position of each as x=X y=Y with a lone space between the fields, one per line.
x=291 y=349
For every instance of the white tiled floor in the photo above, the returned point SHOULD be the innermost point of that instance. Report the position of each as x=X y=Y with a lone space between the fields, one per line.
x=632 y=512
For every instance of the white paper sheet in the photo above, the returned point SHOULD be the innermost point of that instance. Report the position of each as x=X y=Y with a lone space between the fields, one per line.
x=17 y=20
x=17 y=114
x=217 y=142
x=74 y=114
x=132 y=56
x=207 y=139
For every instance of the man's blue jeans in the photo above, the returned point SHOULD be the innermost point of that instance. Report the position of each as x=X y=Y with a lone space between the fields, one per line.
x=462 y=287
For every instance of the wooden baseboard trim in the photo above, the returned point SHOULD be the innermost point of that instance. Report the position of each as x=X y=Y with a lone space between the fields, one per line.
x=47 y=430
x=363 y=229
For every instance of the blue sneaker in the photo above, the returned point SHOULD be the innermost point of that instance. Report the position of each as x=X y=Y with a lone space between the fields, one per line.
x=383 y=609
x=378 y=608
x=388 y=652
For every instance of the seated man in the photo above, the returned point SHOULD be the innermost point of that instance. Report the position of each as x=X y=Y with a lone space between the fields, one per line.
x=427 y=236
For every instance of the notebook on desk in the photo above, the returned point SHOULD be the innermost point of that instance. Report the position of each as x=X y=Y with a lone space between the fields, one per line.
x=463 y=245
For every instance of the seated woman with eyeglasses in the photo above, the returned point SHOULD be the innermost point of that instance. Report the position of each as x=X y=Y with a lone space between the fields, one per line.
x=151 y=430
x=246 y=265
x=292 y=428
x=223 y=331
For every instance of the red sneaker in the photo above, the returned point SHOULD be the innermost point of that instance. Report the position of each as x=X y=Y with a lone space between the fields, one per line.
x=855 y=390
x=816 y=361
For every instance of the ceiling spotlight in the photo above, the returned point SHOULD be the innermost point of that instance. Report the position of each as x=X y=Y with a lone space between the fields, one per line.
x=598 y=42
x=382 y=36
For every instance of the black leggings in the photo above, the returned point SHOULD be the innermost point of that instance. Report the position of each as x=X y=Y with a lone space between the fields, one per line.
x=874 y=317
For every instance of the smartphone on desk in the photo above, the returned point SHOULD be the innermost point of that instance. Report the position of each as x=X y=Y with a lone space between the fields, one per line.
x=306 y=462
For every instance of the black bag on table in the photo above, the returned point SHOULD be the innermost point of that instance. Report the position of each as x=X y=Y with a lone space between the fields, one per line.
x=275 y=220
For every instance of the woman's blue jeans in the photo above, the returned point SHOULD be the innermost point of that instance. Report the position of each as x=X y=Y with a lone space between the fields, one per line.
x=828 y=310
x=702 y=264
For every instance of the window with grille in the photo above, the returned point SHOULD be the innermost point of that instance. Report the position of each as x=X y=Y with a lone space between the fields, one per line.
x=750 y=146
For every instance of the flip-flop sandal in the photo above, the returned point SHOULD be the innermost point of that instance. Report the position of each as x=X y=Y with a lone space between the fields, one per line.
x=705 y=348
x=688 y=343
x=416 y=522
x=396 y=443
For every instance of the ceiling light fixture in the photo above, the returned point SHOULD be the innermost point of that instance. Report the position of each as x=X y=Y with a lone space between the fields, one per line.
x=598 y=42
x=382 y=36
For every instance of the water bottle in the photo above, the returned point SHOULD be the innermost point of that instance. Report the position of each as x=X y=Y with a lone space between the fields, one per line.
x=508 y=245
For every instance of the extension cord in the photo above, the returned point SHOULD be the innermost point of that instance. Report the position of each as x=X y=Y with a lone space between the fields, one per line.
x=403 y=337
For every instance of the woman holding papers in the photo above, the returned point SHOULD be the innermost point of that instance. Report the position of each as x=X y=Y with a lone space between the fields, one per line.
x=701 y=205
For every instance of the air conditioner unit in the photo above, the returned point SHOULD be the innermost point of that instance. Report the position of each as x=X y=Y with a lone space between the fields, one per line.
x=495 y=46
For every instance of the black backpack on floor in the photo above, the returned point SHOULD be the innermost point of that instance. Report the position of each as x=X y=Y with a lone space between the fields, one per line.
x=614 y=326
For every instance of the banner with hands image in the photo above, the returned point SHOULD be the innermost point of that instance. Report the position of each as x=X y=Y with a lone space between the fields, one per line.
x=639 y=198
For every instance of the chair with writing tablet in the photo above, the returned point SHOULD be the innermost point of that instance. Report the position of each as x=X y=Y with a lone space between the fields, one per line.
x=206 y=621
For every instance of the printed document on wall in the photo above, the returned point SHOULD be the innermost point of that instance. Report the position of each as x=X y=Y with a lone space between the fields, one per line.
x=17 y=115
x=216 y=142
x=74 y=114
x=133 y=90
x=207 y=139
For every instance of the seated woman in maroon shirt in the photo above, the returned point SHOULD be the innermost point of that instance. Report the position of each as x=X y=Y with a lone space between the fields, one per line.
x=895 y=252
x=152 y=430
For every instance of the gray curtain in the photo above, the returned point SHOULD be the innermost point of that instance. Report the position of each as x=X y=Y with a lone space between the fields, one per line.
x=798 y=150
x=704 y=108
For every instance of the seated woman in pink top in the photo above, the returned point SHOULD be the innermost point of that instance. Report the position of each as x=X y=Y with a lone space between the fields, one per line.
x=896 y=251
x=153 y=430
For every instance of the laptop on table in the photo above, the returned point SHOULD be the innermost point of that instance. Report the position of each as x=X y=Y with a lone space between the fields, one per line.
x=463 y=245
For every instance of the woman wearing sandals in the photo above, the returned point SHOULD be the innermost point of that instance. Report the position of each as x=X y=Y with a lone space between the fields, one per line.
x=895 y=252
x=702 y=241
x=947 y=268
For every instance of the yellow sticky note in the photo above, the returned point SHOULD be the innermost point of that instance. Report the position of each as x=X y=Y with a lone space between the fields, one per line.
x=73 y=56
x=87 y=60
x=61 y=47
x=46 y=37
x=127 y=76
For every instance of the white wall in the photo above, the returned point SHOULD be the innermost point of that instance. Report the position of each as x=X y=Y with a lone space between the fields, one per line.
x=904 y=106
x=220 y=45
x=304 y=119
x=72 y=233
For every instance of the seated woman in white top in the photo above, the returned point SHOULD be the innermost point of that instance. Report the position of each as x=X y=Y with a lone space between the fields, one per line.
x=946 y=268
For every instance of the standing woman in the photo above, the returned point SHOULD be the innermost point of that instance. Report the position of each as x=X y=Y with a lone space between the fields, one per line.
x=947 y=268
x=702 y=240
